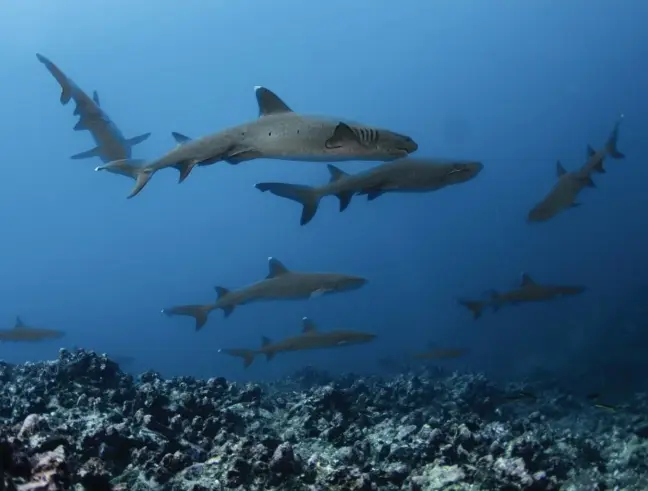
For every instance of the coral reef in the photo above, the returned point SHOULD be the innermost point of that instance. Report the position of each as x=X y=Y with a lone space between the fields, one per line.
x=80 y=423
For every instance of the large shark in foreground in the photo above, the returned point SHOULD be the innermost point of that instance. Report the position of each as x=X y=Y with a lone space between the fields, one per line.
x=23 y=333
x=279 y=284
x=278 y=133
x=407 y=175
x=310 y=338
x=528 y=291
x=110 y=142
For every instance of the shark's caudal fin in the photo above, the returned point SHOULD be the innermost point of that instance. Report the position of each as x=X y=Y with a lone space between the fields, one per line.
x=306 y=195
x=611 y=145
x=475 y=306
x=66 y=87
x=137 y=139
x=135 y=169
x=247 y=354
x=199 y=312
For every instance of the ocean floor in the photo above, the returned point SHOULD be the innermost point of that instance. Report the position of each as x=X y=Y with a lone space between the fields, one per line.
x=80 y=423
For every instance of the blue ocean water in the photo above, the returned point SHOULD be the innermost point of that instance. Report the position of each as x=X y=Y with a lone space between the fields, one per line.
x=516 y=85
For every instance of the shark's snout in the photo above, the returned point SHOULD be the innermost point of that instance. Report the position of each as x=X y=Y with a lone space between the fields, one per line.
x=408 y=145
x=352 y=283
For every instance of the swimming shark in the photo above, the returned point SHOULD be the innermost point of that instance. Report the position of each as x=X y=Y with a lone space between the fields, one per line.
x=280 y=284
x=595 y=158
x=528 y=291
x=562 y=196
x=23 y=333
x=110 y=142
x=407 y=175
x=278 y=133
x=309 y=338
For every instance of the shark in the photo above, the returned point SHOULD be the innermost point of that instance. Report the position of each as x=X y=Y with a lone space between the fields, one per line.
x=408 y=175
x=111 y=144
x=562 y=195
x=23 y=333
x=279 y=284
x=528 y=291
x=309 y=338
x=277 y=133
x=595 y=158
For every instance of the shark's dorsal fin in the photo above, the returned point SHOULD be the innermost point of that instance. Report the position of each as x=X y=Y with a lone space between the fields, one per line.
x=275 y=268
x=590 y=151
x=180 y=138
x=336 y=173
x=265 y=341
x=269 y=102
x=19 y=323
x=308 y=325
x=560 y=170
x=527 y=280
x=342 y=134
x=137 y=139
x=221 y=291
x=95 y=98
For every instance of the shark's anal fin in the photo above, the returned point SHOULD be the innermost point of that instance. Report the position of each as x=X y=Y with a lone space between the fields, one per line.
x=527 y=280
x=137 y=139
x=95 y=152
x=275 y=268
x=345 y=199
x=308 y=325
x=269 y=102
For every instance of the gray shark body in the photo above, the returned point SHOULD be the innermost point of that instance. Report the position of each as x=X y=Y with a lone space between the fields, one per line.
x=24 y=333
x=110 y=142
x=529 y=291
x=407 y=175
x=562 y=196
x=278 y=133
x=310 y=338
x=279 y=284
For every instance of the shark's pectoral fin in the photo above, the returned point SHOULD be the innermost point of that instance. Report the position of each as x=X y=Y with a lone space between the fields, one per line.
x=242 y=156
x=345 y=199
x=137 y=139
x=342 y=135
x=227 y=311
x=319 y=293
x=95 y=152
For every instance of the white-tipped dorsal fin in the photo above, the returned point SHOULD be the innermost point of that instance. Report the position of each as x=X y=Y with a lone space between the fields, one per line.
x=560 y=170
x=308 y=325
x=269 y=102
x=527 y=280
x=275 y=268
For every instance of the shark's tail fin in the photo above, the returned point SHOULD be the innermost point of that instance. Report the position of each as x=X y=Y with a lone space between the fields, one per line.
x=611 y=145
x=246 y=354
x=306 y=195
x=135 y=169
x=475 y=306
x=198 y=312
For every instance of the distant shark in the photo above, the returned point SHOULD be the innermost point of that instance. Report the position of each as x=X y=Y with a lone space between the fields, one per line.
x=278 y=133
x=110 y=142
x=562 y=196
x=529 y=291
x=310 y=338
x=279 y=284
x=564 y=193
x=24 y=333
x=407 y=175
